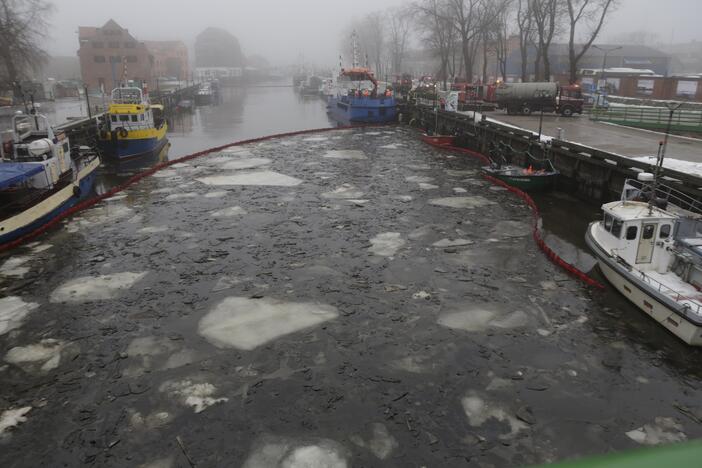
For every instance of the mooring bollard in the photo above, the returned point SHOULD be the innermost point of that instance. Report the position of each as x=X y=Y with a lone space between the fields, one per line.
x=559 y=133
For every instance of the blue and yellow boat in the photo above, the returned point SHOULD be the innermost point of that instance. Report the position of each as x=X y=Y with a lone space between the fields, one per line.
x=133 y=126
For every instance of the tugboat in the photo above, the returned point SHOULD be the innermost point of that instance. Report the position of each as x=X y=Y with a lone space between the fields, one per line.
x=204 y=95
x=131 y=126
x=361 y=103
x=649 y=246
x=535 y=175
x=40 y=178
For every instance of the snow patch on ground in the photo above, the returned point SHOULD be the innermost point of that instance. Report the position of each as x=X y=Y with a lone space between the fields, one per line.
x=243 y=323
x=11 y=418
x=279 y=452
x=386 y=244
x=345 y=154
x=95 y=288
x=461 y=202
x=261 y=178
x=13 y=311
x=46 y=355
x=228 y=212
x=661 y=431
x=246 y=163
x=199 y=396
x=344 y=191
x=688 y=167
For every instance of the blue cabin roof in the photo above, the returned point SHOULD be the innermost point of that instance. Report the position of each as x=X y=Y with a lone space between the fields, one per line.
x=13 y=173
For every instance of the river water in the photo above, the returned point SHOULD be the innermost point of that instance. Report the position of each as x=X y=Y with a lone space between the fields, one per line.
x=347 y=298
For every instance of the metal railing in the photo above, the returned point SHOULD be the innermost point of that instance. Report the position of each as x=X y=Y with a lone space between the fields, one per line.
x=686 y=302
x=649 y=117
x=635 y=189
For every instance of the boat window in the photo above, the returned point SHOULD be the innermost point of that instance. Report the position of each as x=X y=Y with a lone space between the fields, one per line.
x=664 y=232
x=607 y=222
x=617 y=227
x=124 y=118
x=649 y=230
x=113 y=118
x=135 y=118
x=141 y=116
x=631 y=232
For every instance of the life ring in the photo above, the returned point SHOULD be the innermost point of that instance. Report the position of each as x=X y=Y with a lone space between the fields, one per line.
x=77 y=191
x=122 y=132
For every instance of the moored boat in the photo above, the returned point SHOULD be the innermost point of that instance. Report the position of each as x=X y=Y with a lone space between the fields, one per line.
x=40 y=177
x=131 y=127
x=438 y=140
x=649 y=246
x=535 y=175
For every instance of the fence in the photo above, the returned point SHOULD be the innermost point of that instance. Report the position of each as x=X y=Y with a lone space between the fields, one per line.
x=650 y=118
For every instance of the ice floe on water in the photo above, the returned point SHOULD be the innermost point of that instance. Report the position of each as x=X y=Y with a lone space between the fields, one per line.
x=13 y=311
x=181 y=196
x=228 y=212
x=153 y=229
x=661 y=431
x=479 y=411
x=244 y=323
x=150 y=421
x=511 y=229
x=459 y=190
x=279 y=452
x=11 y=418
x=403 y=198
x=392 y=146
x=480 y=319
x=419 y=167
x=423 y=186
x=345 y=154
x=16 y=266
x=316 y=138
x=198 y=395
x=462 y=202
x=121 y=196
x=460 y=173
x=419 y=179
x=165 y=173
x=386 y=244
x=162 y=190
x=452 y=243
x=95 y=288
x=216 y=194
x=381 y=443
x=344 y=191
x=262 y=178
x=246 y=163
x=43 y=356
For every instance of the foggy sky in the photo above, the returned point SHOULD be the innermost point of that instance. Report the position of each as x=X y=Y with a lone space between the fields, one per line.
x=284 y=30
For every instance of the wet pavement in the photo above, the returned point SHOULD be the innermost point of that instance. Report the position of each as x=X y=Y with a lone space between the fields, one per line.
x=616 y=139
x=352 y=298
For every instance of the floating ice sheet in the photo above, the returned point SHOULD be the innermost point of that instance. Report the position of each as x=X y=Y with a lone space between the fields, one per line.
x=479 y=319
x=661 y=431
x=419 y=179
x=243 y=323
x=216 y=194
x=480 y=411
x=281 y=452
x=386 y=244
x=228 y=212
x=511 y=229
x=11 y=418
x=423 y=186
x=246 y=163
x=181 y=196
x=262 y=178
x=452 y=242
x=382 y=444
x=345 y=154
x=16 y=266
x=13 y=311
x=461 y=202
x=45 y=355
x=95 y=288
x=153 y=229
x=316 y=138
x=344 y=191
x=198 y=395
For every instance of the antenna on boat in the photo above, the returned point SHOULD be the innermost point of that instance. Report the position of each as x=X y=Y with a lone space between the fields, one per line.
x=672 y=107
x=354 y=45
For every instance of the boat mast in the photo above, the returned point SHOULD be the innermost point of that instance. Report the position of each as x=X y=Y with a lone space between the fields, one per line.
x=354 y=44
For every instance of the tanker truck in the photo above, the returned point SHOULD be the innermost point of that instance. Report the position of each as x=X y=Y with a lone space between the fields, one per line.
x=525 y=98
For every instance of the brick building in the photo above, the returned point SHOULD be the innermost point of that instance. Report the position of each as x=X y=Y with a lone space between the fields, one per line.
x=110 y=54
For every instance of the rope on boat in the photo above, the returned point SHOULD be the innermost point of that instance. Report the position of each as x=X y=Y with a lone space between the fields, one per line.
x=151 y=171
x=536 y=219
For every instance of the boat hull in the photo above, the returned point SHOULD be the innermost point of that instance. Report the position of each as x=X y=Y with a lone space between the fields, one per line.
x=363 y=110
x=528 y=183
x=51 y=207
x=439 y=140
x=132 y=148
x=644 y=297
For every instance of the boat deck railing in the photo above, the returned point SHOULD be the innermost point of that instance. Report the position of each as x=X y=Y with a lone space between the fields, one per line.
x=688 y=303
x=636 y=189
x=127 y=96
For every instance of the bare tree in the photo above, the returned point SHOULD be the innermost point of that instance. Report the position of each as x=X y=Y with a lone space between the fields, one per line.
x=547 y=14
x=434 y=19
x=23 y=25
x=468 y=22
x=398 y=36
x=502 y=32
x=525 y=30
x=592 y=13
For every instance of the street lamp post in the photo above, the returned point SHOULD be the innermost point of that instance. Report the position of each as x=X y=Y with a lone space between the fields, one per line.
x=606 y=51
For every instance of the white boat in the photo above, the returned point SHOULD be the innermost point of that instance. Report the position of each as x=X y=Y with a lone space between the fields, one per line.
x=649 y=246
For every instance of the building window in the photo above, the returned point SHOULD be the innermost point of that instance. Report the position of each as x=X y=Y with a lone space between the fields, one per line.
x=131 y=58
x=686 y=89
x=645 y=87
x=129 y=45
x=112 y=32
x=113 y=45
x=99 y=59
x=115 y=59
x=98 y=45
